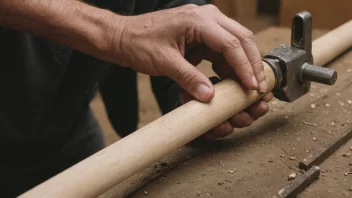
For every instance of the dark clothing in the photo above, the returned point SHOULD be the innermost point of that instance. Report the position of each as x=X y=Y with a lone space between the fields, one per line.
x=46 y=125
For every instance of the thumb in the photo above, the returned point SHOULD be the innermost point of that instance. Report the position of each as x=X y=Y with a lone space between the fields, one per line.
x=190 y=79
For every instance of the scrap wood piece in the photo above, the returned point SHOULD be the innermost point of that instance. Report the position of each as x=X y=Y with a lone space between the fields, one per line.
x=299 y=184
x=321 y=154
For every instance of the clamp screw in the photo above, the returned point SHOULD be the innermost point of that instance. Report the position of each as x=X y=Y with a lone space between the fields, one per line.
x=317 y=74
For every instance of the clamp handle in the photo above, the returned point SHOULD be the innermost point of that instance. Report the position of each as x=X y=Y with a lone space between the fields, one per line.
x=301 y=32
x=301 y=37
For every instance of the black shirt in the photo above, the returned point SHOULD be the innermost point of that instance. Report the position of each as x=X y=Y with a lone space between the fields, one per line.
x=46 y=87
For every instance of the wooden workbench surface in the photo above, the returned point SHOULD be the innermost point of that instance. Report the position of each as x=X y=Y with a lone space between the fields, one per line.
x=255 y=162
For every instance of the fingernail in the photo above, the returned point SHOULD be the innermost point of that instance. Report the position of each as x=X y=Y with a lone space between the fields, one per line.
x=203 y=91
x=254 y=82
x=263 y=86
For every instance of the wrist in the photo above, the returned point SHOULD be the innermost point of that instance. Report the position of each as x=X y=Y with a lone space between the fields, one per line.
x=102 y=30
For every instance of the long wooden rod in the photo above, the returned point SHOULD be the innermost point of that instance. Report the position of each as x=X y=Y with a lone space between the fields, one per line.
x=332 y=44
x=112 y=165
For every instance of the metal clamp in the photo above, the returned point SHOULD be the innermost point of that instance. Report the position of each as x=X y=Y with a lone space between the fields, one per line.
x=293 y=65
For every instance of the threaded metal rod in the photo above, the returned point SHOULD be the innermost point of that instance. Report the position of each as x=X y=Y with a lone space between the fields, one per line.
x=317 y=74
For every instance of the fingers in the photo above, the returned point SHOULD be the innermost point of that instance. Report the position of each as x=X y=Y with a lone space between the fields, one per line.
x=220 y=40
x=258 y=110
x=185 y=97
x=220 y=131
x=268 y=97
x=242 y=119
x=189 y=77
x=248 y=44
x=254 y=112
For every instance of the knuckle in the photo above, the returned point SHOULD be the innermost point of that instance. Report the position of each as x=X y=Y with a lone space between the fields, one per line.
x=232 y=43
x=257 y=65
x=190 y=6
x=211 y=7
x=242 y=66
x=258 y=62
x=248 y=37
x=187 y=76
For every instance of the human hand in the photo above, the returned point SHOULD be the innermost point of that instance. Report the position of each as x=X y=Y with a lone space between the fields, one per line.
x=243 y=119
x=171 y=42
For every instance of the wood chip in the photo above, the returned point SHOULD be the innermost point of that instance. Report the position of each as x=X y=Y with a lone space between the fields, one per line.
x=231 y=171
x=300 y=183
x=274 y=102
x=292 y=176
x=346 y=155
x=309 y=124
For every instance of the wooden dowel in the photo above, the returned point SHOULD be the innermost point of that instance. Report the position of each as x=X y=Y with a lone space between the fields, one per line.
x=332 y=44
x=112 y=165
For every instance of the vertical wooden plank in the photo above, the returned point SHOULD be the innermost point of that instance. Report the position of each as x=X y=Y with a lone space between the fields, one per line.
x=223 y=5
x=327 y=14
x=243 y=10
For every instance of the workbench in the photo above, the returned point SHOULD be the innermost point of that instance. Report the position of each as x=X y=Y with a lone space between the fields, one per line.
x=256 y=161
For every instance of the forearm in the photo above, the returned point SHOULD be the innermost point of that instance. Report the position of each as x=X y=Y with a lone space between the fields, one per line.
x=69 y=22
x=164 y=4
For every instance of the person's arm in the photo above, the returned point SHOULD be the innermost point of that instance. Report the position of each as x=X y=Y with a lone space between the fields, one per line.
x=165 y=4
x=153 y=43
x=69 y=22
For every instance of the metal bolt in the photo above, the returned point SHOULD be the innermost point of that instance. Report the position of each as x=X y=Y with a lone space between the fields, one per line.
x=317 y=74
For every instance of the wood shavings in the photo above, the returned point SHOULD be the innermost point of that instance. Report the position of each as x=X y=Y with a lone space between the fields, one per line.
x=309 y=124
x=292 y=176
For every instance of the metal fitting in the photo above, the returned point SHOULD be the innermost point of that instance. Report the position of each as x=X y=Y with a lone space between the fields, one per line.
x=293 y=65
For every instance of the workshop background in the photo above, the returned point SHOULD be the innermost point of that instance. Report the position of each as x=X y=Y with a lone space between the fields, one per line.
x=257 y=161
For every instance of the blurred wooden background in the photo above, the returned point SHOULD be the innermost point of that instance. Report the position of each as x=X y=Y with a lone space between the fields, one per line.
x=327 y=14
